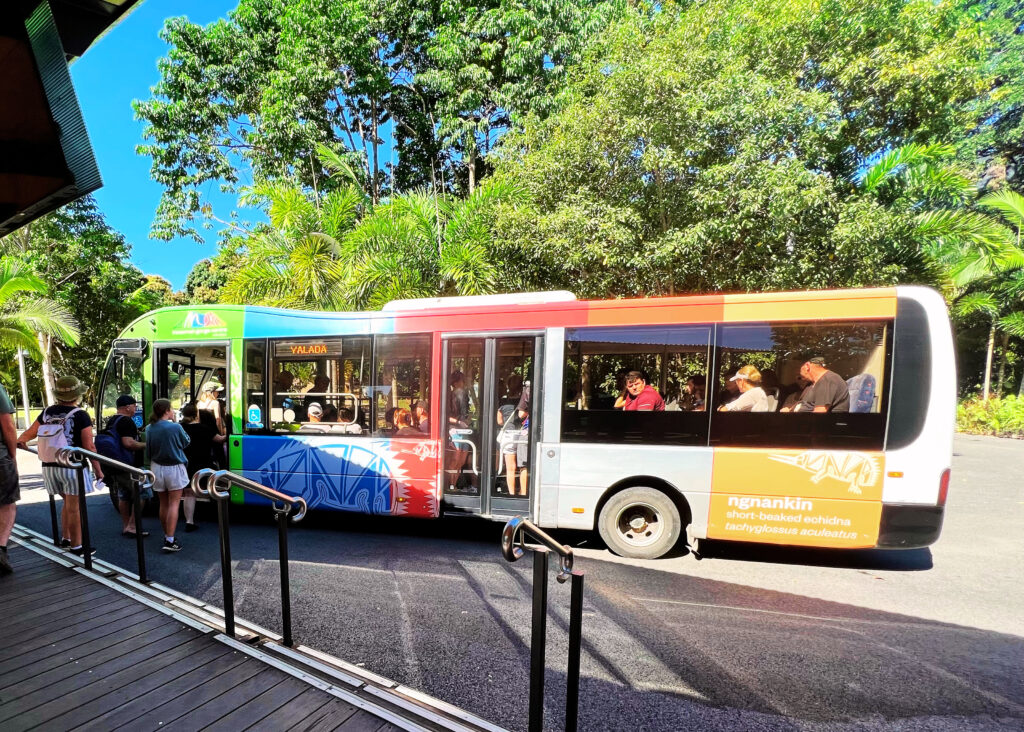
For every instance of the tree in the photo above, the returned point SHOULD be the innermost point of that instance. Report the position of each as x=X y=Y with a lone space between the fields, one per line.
x=714 y=146
x=84 y=264
x=408 y=93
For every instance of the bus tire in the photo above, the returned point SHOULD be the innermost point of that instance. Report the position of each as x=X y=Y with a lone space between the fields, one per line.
x=640 y=523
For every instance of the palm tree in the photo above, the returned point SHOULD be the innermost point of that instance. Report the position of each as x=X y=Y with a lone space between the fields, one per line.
x=30 y=321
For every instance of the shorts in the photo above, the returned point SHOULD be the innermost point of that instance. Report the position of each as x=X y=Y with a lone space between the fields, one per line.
x=122 y=484
x=61 y=481
x=10 y=491
x=169 y=477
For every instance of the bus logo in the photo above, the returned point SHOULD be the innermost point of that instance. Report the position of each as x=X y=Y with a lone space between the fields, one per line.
x=857 y=470
x=202 y=320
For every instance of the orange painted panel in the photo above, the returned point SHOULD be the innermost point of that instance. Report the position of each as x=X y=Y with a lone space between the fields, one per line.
x=840 y=474
x=831 y=305
x=795 y=521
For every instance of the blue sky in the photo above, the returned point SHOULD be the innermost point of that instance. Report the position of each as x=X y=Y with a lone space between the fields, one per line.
x=115 y=71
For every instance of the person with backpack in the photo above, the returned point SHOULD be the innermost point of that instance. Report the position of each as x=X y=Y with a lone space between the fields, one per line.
x=119 y=441
x=65 y=424
x=204 y=442
x=167 y=441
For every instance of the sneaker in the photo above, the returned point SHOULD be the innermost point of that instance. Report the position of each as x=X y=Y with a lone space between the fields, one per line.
x=189 y=528
x=5 y=564
x=65 y=543
x=80 y=551
x=170 y=546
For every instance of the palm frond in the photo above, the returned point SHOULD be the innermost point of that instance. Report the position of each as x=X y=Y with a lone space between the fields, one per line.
x=43 y=315
x=16 y=279
x=1012 y=324
x=338 y=165
x=1009 y=203
x=13 y=337
x=895 y=162
x=977 y=303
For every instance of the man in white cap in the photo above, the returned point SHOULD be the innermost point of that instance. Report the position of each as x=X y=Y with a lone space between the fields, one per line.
x=77 y=425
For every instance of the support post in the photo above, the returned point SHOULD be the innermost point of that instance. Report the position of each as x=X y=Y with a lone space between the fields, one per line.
x=572 y=682
x=225 y=568
x=83 y=514
x=286 y=598
x=137 y=508
x=538 y=640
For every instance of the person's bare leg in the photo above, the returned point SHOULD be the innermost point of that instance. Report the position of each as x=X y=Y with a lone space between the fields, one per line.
x=170 y=517
x=510 y=472
x=7 y=514
x=189 y=505
x=125 y=509
x=65 y=522
x=73 y=521
x=524 y=480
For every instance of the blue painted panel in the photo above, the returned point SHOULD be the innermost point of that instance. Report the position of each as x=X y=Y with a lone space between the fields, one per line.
x=276 y=323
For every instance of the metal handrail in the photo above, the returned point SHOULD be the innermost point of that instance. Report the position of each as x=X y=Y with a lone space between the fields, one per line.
x=65 y=455
x=227 y=479
x=521 y=526
x=206 y=482
x=517 y=525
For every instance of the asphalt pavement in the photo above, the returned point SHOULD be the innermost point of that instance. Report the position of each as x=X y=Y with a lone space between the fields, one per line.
x=750 y=637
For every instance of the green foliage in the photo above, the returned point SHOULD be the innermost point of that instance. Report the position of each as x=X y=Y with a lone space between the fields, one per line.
x=24 y=311
x=997 y=417
x=251 y=97
x=714 y=146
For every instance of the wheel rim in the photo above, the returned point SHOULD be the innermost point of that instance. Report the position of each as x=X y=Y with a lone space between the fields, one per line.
x=639 y=524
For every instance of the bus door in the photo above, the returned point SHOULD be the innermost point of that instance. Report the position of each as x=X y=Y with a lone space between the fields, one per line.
x=490 y=386
x=182 y=371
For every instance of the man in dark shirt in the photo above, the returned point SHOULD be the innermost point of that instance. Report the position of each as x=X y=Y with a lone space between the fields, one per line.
x=828 y=391
x=10 y=492
x=122 y=425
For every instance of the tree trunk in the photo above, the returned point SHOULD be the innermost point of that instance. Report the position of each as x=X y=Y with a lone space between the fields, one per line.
x=1001 y=379
x=988 y=361
x=45 y=346
x=472 y=165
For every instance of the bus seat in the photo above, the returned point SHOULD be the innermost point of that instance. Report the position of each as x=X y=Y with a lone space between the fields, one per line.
x=862 y=392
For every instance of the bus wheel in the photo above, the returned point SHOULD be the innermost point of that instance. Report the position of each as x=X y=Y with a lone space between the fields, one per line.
x=641 y=523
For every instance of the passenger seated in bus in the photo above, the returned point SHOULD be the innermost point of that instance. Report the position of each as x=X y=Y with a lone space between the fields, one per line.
x=282 y=387
x=693 y=394
x=321 y=383
x=330 y=413
x=796 y=393
x=422 y=411
x=639 y=396
x=730 y=391
x=389 y=423
x=314 y=412
x=829 y=392
x=403 y=421
x=770 y=384
x=752 y=397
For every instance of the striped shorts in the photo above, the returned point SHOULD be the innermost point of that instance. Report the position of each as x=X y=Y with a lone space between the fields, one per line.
x=61 y=481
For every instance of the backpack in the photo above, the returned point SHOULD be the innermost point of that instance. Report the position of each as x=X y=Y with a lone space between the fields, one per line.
x=108 y=443
x=53 y=434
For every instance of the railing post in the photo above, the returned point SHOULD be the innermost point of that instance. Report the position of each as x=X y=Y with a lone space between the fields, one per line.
x=572 y=680
x=225 y=567
x=137 y=508
x=83 y=515
x=286 y=597
x=538 y=639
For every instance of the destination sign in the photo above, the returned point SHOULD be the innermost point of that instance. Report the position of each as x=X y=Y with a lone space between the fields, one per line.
x=319 y=348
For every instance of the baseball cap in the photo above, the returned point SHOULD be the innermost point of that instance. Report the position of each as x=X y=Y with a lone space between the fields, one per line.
x=124 y=400
x=817 y=360
x=315 y=410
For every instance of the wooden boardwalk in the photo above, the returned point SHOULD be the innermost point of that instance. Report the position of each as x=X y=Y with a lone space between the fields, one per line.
x=78 y=655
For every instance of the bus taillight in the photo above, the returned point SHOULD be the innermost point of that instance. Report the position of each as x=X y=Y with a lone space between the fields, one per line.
x=943 y=486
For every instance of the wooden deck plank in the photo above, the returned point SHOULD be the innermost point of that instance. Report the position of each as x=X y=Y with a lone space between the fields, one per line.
x=79 y=603
x=59 y=616
x=44 y=674
x=163 y=670
x=62 y=708
x=306 y=705
x=176 y=692
x=326 y=718
x=158 y=717
x=361 y=721
x=227 y=702
x=72 y=629
x=59 y=592
x=286 y=693
x=47 y=587
x=46 y=658
x=68 y=685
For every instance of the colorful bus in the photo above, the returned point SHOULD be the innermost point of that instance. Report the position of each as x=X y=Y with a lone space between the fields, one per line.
x=511 y=404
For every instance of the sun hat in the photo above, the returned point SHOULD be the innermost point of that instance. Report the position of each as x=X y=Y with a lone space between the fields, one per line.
x=68 y=388
x=749 y=373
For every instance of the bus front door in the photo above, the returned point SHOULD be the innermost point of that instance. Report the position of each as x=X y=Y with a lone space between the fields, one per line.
x=488 y=423
x=182 y=372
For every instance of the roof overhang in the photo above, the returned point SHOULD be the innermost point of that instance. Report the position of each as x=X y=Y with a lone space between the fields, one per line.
x=46 y=159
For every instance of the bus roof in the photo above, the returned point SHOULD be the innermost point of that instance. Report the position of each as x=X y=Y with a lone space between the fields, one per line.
x=219 y=322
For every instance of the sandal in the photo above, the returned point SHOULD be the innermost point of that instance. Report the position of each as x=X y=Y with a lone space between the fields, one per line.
x=131 y=534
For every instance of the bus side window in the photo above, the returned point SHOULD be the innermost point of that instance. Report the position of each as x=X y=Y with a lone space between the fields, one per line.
x=402 y=382
x=765 y=385
x=673 y=363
